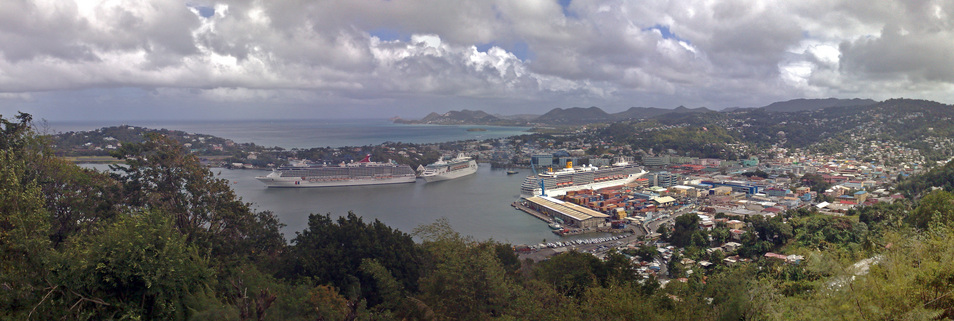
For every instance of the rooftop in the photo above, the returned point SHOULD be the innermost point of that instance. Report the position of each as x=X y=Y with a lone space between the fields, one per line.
x=572 y=210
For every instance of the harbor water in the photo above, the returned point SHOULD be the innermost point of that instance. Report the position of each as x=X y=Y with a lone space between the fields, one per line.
x=477 y=205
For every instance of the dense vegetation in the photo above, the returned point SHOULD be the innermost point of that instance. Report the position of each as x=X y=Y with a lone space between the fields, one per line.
x=916 y=124
x=695 y=141
x=162 y=238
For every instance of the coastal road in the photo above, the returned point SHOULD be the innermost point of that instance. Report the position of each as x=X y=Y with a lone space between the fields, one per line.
x=672 y=217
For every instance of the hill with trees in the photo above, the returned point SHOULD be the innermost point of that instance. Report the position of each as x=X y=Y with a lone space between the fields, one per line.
x=796 y=105
x=463 y=117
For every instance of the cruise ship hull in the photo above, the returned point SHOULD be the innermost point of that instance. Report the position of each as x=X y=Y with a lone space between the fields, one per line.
x=470 y=169
x=445 y=170
x=289 y=182
x=354 y=174
x=560 y=185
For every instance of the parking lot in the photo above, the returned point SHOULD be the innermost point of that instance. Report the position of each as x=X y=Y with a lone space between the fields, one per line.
x=595 y=245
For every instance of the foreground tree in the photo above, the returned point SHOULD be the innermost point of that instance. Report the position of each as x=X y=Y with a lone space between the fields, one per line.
x=332 y=251
x=24 y=244
x=464 y=280
x=159 y=174
x=138 y=268
x=936 y=208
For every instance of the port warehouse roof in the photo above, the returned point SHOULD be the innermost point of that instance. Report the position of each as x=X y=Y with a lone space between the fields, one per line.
x=577 y=212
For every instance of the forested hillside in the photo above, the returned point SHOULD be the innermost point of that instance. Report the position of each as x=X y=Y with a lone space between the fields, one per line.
x=163 y=239
x=917 y=124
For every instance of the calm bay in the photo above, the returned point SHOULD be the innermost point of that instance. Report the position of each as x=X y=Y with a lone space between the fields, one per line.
x=476 y=205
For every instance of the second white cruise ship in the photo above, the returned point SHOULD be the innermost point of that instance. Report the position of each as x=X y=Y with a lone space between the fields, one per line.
x=444 y=170
x=572 y=179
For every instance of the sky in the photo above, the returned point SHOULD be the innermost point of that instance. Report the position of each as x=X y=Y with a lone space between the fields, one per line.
x=308 y=59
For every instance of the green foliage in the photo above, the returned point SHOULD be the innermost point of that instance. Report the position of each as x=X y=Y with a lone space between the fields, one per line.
x=709 y=142
x=830 y=232
x=911 y=280
x=686 y=231
x=465 y=280
x=936 y=208
x=96 y=142
x=883 y=216
x=645 y=252
x=331 y=252
x=941 y=176
x=571 y=273
x=757 y=173
x=720 y=234
x=816 y=182
x=772 y=230
x=327 y=303
x=159 y=174
x=16 y=135
x=24 y=245
x=80 y=200
x=619 y=302
x=664 y=231
x=138 y=267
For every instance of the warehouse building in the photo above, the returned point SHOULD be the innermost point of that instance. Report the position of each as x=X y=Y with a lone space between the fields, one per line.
x=571 y=214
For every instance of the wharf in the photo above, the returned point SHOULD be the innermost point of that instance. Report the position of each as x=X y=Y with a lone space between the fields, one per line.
x=574 y=231
x=530 y=211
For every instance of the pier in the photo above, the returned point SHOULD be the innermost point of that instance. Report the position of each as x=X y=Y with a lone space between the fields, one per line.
x=531 y=211
x=632 y=228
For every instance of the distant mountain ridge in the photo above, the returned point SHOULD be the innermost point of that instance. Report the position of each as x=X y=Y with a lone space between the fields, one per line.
x=795 y=105
x=650 y=112
x=463 y=117
x=590 y=115
x=574 y=116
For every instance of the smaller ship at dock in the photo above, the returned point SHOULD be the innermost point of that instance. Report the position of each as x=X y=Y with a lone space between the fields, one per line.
x=441 y=170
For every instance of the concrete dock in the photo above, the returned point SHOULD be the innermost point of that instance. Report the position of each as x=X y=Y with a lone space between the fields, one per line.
x=530 y=211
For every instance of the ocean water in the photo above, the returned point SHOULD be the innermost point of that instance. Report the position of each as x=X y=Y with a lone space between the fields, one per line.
x=476 y=205
x=312 y=133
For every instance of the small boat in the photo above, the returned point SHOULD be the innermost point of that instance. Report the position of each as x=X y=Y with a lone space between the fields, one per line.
x=511 y=172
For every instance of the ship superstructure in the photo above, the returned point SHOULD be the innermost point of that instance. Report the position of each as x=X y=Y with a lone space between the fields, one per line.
x=556 y=183
x=443 y=170
x=364 y=172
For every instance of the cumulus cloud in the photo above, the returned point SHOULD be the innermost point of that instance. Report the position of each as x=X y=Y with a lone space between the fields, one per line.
x=613 y=53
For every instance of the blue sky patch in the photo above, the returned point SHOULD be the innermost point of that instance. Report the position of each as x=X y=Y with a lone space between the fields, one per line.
x=520 y=49
x=204 y=11
x=484 y=47
x=388 y=34
x=666 y=33
x=565 y=5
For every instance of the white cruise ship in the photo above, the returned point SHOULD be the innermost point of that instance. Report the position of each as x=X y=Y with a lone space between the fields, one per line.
x=364 y=172
x=573 y=179
x=444 y=170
